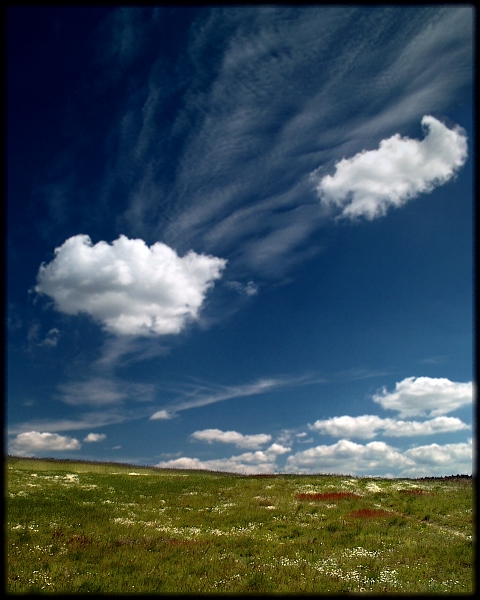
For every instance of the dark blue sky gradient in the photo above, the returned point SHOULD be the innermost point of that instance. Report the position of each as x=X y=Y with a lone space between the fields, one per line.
x=209 y=129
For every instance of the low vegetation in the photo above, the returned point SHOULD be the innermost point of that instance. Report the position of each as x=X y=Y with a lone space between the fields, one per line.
x=79 y=527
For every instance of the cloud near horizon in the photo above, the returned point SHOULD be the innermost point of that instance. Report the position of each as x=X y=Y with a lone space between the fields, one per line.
x=369 y=183
x=421 y=396
x=374 y=458
x=231 y=437
x=130 y=288
x=378 y=458
x=31 y=441
x=260 y=461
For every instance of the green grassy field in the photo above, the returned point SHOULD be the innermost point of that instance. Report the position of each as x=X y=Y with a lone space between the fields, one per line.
x=79 y=527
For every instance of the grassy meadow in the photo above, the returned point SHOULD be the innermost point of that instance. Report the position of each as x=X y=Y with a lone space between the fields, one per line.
x=79 y=527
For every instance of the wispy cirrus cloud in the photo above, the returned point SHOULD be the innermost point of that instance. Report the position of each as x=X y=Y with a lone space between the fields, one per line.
x=104 y=391
x=237 y=183
x=85 y=420
x=196 y=395
x=244 y=153
x=128 y=30
x=120 y=351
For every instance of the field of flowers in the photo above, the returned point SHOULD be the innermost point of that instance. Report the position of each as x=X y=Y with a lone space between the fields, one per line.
x=76 y=527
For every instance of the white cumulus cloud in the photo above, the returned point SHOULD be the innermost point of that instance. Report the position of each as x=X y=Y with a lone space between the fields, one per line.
x=344 y=457
x=348 y=457
x=31 y=441
x=130 y=288
x=368 y=426
x=365 y=426
x=260 y=461
x=94 y=437
x=425 y=396
x=380 y=459
x=394 y=428
x=438 y=460
x=435 y=455
x=370 y=182
x=232 y=437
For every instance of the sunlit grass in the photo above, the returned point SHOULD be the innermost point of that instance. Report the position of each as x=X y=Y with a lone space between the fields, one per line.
x=76 y=527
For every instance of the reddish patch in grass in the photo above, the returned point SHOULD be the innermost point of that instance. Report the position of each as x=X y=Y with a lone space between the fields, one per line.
x=80 y=540
x=416 y=492
x=327 y=496
x=369 y=513
x=175 y=542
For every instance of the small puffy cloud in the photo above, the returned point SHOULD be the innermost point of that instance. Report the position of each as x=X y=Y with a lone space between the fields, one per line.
x=368 y=426
x=425 y=396
x=277 y=449
x=51 y=338
x=232 y=437
x=370 y=182
x=31 y=441
x=249 y=289
x=94 y=437
x=130 y=288
x=365 y=426
x=163 y=415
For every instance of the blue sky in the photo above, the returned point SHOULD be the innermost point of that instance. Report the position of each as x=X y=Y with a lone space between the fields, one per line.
x=240 y=238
